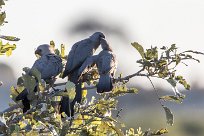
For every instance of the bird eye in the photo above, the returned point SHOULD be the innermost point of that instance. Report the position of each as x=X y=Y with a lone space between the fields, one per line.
x=102 y=36
x=38 y=52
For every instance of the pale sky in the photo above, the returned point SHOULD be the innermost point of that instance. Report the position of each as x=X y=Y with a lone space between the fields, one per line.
x=148 y=22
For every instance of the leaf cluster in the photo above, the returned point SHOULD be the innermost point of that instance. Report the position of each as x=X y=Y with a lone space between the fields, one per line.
x=7 y=48
x=92 y=117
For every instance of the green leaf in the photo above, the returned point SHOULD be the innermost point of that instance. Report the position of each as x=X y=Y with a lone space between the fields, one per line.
x=163 y=48
x=179 y=77
x=172 y=82
x=163 y=73
x=160 y=132
x=139 y=48
x=17 y=129
x=34 y=72
x=117 y=130
x=185 y=84
x=7 y=48
x=178 y=59
x=1 y=44
x=121 y=90
x=173 y=47
x=9 y=52
x=70 y=87
x=52 y=44
x=2 y=17
x=169 y=115
x=62 y=50
x=29 y=82
x=151 y=54
x=14 y=92
x=9 y=38
x=171 y=98
x=2 y=2
x=162 y=63
x=133 y=90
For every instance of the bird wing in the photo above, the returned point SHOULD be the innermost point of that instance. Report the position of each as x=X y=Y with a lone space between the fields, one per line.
x=109 y=64
x=48 y=65
x=39 y=65
x=78 y=54
x=87 y=64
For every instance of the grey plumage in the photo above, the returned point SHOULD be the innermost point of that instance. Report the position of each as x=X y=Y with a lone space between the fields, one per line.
x=107 y=67
x=87 y=65
x=106 y=63
x=80 y=51
x=49 y=65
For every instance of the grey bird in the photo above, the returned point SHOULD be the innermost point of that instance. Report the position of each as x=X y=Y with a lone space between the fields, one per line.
x=80 y=51
x=106 y=63
x=107 y=66
x=49 y=65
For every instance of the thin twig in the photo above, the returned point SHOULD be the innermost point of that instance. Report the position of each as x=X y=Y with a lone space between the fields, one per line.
x=50 y=128
x=156 y=91
x=130 y=76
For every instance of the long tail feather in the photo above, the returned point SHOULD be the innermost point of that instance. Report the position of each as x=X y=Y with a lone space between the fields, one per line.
x=66 y=106
x=104 y=84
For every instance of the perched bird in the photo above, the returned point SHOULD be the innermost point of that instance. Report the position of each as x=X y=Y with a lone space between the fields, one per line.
x=107 y=66
x=80 y=51
x=106 y=63
x=49 y=65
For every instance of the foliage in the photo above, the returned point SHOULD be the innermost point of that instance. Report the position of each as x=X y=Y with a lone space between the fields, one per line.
x=92 y=117
x=7 y=48
x=164 y=66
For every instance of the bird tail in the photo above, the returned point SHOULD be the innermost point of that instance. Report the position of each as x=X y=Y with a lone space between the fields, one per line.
x=67 y=106
x=104 y=84
x=78 y=97
x=23 y=96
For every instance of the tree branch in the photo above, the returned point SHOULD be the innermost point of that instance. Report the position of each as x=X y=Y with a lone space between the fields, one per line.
x=54 y=93
x=130 y=76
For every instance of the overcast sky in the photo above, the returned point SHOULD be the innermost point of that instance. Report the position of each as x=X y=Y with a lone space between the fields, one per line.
x=149 y=22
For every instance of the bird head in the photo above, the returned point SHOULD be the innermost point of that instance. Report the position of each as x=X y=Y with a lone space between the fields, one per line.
x=97 y=36
x=44 y=49
x=105 y=45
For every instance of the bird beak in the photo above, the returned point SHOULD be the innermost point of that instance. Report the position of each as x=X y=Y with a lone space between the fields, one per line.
x=103 y=36
x=38 y=52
